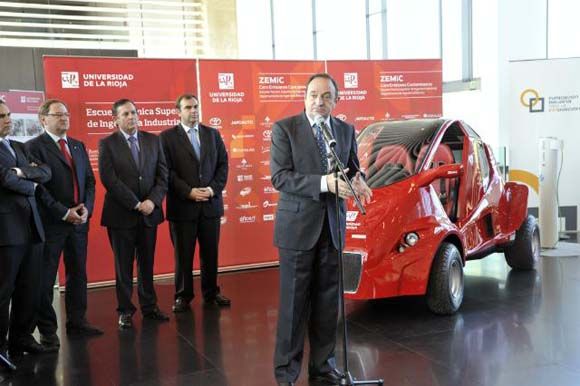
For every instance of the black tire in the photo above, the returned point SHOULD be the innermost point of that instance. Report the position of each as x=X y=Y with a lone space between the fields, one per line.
x=445 y=289
x=524 y=252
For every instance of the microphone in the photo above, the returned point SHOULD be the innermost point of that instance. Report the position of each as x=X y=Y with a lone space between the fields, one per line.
x=326 y=133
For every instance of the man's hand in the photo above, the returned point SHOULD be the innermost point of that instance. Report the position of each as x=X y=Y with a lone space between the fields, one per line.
x=199 y=194
x=146 y=207
x=73 y=216
x=83 y=212
x=343 y=190
x=18 y=172
x=362 y=190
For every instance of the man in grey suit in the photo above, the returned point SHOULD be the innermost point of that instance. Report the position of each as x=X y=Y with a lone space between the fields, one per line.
x=305 y=231
x=133 y=170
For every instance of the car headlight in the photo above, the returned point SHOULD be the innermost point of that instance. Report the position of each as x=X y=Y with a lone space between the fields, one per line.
x=411 y=239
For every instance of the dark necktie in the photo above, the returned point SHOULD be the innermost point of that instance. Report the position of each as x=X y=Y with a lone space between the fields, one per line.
x=6 y=144
x=134 y=149
x=321 y=150
x=71 y=165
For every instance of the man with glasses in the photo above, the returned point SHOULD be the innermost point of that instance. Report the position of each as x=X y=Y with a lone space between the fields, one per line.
x=65 y=207
x=21 y=240
x=305 y=231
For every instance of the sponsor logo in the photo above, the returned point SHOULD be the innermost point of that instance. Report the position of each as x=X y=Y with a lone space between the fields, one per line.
x=242 y=136
x=268 y=204
x=267 y=135
x=350 y=80
x=244 y=165
x=265 y=162
x=244 y=177
x=247 y=205
x=223 y=220
x=224 y=193
x=267 y=119
x=215 y=121
x=245 y=191
x=226 y=80
x=531 y=99
x=243 y=150
x=247 y=219
x=265 y=149
x=226 y=207
x=342 y=117
x=268 y=217
x=69 y=79
x=266 y=178
x=368 y=118
x=270 y=190
x=351 y=215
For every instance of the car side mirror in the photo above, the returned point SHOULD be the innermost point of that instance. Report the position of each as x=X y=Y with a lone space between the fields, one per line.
x=443 y=171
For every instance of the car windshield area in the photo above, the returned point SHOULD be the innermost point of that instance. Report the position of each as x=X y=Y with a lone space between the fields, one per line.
x=392 y=151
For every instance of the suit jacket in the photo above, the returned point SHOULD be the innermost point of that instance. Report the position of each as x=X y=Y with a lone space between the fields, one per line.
x=187 y=172
x=127 y=183
x=59 y=193
x=20 y=221
x=295 y=167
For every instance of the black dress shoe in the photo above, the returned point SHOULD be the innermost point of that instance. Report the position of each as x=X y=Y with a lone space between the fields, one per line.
x=49 y=340
x=331 y=377
x=180 y=305
x=82 y=330
x=156 y=314
x=31 y=347
x=125 y=320
x=219 y=300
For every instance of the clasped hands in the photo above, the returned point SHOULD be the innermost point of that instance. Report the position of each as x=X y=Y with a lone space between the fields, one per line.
x=359 y=185
x=200 y=194
x=77 y=214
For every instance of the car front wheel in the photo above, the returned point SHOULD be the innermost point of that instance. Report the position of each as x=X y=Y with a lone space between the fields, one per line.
x=445 y=290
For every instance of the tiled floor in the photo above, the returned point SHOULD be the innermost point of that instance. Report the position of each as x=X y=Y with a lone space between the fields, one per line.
x=514 y=328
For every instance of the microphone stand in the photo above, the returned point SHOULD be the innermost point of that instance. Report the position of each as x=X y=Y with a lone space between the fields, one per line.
x=338 y=167
x=6 y=362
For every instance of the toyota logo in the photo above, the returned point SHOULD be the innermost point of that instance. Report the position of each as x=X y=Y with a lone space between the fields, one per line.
x=215 y=121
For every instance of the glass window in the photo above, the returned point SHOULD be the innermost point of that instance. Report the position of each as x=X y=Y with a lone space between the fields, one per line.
x=413 y=34
x=563 y=31
x=254 y=38
x=483 y=164
x=293 y=40
x=341 y=29
x=452 y=51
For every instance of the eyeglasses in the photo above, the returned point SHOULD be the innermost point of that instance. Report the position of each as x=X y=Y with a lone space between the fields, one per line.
x=59 y=115
x=2 y=116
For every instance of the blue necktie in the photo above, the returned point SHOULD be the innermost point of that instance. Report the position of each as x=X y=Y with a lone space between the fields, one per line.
x=194 y=141
x=6 y=144
x=134 y=149
x=321 y=149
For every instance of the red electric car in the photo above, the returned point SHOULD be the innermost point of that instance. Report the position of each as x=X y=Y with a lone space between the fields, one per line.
x=438 y=201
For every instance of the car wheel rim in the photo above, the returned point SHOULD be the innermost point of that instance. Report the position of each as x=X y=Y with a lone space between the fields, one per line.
x=536 y=245
x=455 y=281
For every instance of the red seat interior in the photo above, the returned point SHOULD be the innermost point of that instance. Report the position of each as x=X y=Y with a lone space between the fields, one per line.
x=394 y=154
x=445 y=186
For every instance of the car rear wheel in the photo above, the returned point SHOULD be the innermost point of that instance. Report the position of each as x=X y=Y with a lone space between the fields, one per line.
x=524 y=253
x=445 y=290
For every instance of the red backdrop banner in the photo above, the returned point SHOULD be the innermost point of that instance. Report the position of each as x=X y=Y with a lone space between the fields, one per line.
x=242 y=99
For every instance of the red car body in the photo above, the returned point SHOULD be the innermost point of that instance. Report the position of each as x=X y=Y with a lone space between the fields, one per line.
x=448 y=190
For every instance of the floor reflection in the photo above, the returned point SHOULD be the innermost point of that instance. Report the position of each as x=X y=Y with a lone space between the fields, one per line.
x=513 y=328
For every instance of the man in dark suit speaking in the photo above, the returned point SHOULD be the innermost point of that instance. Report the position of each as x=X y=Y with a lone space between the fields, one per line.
x=133 y=170
x=65 y=207
x=21 y=240
x=198 y=171
x=305 y=231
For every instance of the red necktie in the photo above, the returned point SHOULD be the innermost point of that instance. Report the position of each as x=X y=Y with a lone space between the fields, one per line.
x=71 y=165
